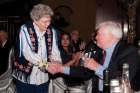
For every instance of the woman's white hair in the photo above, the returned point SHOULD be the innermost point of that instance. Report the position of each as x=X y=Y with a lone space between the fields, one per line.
x=40 y=10
x=113 y=27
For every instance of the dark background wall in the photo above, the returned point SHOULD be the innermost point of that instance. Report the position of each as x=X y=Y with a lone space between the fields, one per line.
x=80 y=14
x=108 y=10
x=87 y=13
x=16 y=7
x=83 y=16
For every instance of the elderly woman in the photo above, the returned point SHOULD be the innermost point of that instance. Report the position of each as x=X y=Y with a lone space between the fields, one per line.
x=37 y=43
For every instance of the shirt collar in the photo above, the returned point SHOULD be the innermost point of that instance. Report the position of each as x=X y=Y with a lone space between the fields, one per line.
x=110 y=49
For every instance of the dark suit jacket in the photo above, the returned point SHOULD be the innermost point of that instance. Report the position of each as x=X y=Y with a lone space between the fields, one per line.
x=122 y=53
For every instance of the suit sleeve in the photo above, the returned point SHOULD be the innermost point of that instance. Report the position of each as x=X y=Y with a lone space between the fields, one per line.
x=81 y=72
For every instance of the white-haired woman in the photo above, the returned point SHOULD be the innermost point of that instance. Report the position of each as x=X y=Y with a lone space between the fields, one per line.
x=36 y=43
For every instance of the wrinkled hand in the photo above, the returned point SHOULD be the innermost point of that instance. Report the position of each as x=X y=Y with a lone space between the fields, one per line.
x=54 y=68
x=91 y=64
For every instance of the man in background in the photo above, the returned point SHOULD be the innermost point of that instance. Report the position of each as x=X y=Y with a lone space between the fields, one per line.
x=5 y=47
x=77 y=42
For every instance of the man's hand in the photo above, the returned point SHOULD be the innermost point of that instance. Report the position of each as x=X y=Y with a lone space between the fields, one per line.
x=91 y=64
x=54 y=68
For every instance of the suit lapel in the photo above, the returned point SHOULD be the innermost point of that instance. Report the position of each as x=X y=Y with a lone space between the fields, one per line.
x=114 y=55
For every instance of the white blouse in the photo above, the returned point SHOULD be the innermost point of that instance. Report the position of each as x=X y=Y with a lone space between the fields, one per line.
x=37 y=77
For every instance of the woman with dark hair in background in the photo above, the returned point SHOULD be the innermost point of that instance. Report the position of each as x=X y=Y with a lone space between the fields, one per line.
x=70 y=58
x=66 y=51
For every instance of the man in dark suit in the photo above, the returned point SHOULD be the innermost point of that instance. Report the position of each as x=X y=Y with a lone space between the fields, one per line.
x=5 y=47
x=109 y=38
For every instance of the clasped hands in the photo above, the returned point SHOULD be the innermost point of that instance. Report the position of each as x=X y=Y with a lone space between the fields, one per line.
x=56 y=67
x=52 y=67
x=43 y=65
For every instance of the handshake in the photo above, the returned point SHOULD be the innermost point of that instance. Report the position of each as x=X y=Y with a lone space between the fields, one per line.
x=54 y=67
x=51 y=67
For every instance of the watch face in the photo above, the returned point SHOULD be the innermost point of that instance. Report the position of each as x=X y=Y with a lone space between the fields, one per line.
x=62 y=15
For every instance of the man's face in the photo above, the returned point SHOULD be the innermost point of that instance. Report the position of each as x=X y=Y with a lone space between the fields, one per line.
x=75 y=35
x=103 y=38
x=43 y=22
x=3 y=36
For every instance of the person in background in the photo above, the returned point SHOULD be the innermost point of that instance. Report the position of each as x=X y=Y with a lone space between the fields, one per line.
x=5 y=47
x=109 y=38
x=77 y=42
x=69 y=58
x=35 y=47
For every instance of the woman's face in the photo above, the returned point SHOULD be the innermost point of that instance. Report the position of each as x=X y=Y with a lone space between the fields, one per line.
x=65 y=41
x=43 y=22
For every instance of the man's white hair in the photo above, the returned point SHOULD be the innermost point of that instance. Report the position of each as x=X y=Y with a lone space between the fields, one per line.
x=113 y=27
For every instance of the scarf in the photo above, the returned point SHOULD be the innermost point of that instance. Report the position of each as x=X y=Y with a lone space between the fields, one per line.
x=22 y=68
